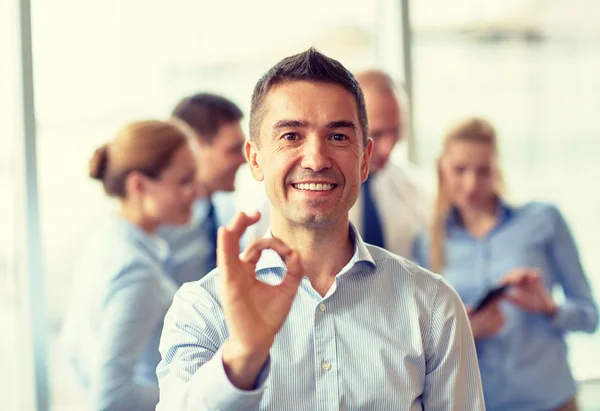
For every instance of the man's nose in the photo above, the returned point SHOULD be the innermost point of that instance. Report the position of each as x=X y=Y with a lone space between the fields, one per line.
x=315 y=155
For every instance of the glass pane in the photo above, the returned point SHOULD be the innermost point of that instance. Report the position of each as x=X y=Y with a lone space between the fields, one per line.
x=11 y=367
x=532 y=69
x=109 y=66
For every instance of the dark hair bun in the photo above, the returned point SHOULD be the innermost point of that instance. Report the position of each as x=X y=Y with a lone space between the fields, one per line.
x=99 y=162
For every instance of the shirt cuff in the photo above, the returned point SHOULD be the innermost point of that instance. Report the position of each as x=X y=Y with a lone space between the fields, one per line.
x=563 y=318
x=220 y=394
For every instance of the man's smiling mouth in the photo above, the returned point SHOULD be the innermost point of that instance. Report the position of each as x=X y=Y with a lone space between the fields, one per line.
x=314 y=186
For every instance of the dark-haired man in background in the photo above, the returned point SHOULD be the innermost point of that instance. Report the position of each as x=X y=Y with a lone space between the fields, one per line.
x=319 y=320
x=216 y=122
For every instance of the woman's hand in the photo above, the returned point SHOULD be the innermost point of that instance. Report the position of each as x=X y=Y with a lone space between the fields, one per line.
x=488 y=321
x=528 y=291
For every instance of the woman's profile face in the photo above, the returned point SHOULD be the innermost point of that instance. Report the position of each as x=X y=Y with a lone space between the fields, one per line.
x=168 y=199
x=468 y=173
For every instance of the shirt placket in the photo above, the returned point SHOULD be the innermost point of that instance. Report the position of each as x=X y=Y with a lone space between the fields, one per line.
x=493 y=351
x=326 y=364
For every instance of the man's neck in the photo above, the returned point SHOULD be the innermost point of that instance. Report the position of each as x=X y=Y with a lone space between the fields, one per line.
x=203 y=191
x=324 y=250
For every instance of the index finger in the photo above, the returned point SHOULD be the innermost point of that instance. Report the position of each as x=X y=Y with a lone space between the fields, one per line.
x=241 y=222
x=228 y=238
x=515 y=276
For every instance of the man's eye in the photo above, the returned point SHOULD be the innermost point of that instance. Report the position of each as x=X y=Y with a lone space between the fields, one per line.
x=290 y=136
x=339 y=137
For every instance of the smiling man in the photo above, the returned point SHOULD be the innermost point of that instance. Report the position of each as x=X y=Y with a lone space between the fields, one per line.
x=319 y=320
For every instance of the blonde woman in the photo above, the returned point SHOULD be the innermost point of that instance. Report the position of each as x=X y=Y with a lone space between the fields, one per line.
x=478 y=241
x=122 y=293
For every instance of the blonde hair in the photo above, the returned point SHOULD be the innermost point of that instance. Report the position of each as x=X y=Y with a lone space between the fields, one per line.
x=144 y=146
x=473 y=130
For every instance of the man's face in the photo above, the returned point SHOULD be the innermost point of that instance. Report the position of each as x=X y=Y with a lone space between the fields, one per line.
x=220 y=160
x=385 y=125
x=310 y=152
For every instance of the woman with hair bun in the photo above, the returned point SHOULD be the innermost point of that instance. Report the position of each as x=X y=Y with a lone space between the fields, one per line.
x=122 y=292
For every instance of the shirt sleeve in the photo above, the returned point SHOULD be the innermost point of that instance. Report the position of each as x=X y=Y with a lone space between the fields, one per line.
x=133 y=312
x=191 y=374
x=579 y=312
x=452 y=380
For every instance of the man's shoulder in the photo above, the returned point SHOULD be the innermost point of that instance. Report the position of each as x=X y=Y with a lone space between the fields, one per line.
x=396 y=265
x=203 y=289
x=428 y=290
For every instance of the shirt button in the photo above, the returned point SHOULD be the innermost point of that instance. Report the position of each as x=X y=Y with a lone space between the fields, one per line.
x=326 y=365
x=322 y=307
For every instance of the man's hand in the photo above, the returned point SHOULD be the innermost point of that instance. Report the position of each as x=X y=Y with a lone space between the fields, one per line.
x=254 y=310
x=529 y=292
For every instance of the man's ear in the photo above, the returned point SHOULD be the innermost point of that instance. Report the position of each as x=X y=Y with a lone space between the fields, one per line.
x=254 y=160
x=366 y=160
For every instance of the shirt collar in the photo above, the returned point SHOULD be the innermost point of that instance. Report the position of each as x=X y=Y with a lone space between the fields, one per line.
x=270 y=259
x=200 y=209
x=504 y=211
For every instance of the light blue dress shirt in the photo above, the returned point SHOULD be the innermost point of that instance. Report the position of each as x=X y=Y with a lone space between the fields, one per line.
x=192 y=245
x=525 y=366
x=387 y=336
x=113 y=324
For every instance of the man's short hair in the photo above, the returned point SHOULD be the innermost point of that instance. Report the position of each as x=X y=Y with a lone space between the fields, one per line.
x=206 y=113
x=311 y=66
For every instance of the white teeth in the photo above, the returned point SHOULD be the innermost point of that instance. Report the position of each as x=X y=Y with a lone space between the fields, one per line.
x=314 y=187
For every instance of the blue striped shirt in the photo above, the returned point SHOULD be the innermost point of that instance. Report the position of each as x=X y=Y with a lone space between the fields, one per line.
x=525 y=366
x=387 y=336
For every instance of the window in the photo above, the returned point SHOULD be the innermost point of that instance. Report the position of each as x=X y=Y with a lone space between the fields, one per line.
x=10 y=300
x=531 y=68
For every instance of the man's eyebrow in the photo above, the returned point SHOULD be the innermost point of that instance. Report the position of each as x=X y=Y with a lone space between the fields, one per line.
x=290 y=124
x=342 y=124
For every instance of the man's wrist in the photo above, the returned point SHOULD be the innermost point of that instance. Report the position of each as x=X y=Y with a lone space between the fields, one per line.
x=242 y=365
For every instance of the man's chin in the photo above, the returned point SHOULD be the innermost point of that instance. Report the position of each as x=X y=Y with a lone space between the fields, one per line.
x=315 y=219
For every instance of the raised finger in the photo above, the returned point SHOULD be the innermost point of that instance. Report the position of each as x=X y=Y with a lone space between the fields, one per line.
x=515 y=276
x=241 y=221
x=228 y=248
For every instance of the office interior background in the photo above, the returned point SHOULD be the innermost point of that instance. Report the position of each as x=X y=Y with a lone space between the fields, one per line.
x=74 y=71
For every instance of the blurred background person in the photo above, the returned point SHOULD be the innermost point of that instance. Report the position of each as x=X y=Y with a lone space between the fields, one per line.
x=112 y=327
x=391 y=208
x=216 y=124
x=478 y=241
